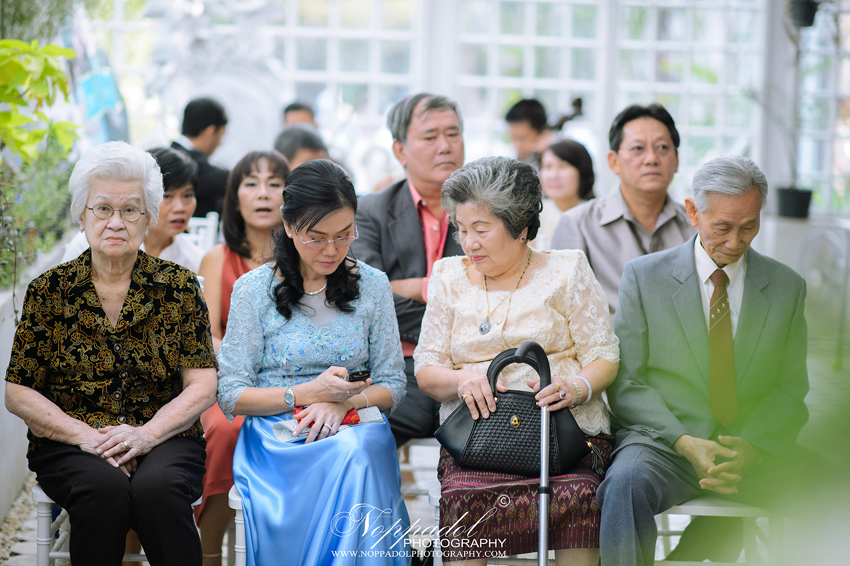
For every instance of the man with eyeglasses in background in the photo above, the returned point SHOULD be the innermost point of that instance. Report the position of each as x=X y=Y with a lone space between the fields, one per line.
x=639 y=217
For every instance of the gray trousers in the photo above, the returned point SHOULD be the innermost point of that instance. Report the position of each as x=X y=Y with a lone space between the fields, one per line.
x=640 y=483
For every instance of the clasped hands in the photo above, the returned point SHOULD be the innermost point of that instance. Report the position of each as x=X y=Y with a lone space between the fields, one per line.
x=119 y=445
x=722 y=477
x=474 y=390
x=332 y=394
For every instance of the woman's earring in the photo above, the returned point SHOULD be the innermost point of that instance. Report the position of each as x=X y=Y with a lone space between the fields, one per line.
x=147 y=233
x=522 y=238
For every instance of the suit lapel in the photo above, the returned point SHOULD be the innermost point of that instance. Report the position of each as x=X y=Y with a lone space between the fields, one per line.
x=754 y=309
x=688 y=303
x=406 y=233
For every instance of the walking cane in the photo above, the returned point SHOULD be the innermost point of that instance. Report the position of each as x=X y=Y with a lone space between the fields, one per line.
x=534 y=349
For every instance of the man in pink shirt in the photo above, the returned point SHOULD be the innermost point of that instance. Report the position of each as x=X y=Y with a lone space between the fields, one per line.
x=404 y=230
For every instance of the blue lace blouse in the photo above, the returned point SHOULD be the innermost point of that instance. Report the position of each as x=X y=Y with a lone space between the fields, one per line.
x=261 y=348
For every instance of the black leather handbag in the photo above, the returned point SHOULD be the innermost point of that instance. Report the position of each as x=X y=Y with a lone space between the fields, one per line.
x=508 y=441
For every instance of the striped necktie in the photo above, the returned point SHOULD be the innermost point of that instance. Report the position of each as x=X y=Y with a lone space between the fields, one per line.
x=724 y=398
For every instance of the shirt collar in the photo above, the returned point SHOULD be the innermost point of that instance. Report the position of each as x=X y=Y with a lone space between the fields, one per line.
x=417 y=200
x=147 y=272
x=706 y=266
x=185 y=142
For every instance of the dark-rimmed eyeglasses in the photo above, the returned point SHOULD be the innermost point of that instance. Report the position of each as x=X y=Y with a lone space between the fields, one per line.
x=322 y=242
x=104 y=212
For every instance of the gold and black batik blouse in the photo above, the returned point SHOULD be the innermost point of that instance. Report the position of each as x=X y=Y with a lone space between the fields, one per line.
x=66 y=348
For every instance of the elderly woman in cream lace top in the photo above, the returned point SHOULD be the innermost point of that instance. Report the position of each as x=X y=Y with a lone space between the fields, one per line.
x=499 y=295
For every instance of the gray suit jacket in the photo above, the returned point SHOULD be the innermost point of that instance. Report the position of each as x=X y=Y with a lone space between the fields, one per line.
x=663 y=386
x=391 y=240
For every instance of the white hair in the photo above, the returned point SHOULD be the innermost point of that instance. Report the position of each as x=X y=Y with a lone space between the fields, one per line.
x=116 y=161
x=728 y=175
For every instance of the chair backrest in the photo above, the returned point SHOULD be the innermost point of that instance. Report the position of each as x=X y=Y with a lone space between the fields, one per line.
x=204 y=231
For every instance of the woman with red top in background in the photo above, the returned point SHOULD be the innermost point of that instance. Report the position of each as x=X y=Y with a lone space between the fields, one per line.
x=251 y=215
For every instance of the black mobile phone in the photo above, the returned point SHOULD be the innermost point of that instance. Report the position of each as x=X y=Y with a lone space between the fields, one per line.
x=361 y=375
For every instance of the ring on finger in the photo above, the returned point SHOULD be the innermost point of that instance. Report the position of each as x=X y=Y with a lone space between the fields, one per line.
x=562 y=394
x=329 y=427
x=126 y=446
x=465 y=395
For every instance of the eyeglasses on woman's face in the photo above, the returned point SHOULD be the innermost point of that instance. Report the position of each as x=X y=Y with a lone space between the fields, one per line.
x=344 y=241
x=105 y=212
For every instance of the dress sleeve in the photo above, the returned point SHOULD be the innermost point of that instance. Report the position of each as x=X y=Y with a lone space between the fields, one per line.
x=242 y=348
x=589 y=320
x=197 y=346
x=434 y=347
x=386 y=361
x=32 y=350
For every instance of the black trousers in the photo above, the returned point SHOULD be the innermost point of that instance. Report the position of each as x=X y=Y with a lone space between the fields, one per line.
x=103 y=503
x=418 y=416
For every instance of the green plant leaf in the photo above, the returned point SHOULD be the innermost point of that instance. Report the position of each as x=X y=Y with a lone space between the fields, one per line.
x=58 y=51
x=16 y=44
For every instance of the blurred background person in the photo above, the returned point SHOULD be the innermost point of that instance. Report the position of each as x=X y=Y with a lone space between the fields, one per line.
x=299 y=113
x=250 y=217
x=528 y=130
x=165 y=239
x=204 y=125
x=300 y=144
x=566 y=174
x=114 y=433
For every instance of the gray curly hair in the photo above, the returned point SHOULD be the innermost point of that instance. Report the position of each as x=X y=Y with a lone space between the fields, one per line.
x=508 y=188
x=116 y=161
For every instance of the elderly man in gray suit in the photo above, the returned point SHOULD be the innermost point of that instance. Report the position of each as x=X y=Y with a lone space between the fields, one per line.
x=709 y=395
x=404 y=230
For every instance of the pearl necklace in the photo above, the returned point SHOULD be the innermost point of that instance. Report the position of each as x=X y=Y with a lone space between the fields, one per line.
x=484 y=328
x=314 y=293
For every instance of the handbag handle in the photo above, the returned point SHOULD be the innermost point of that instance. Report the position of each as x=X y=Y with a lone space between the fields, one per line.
x=530 y=353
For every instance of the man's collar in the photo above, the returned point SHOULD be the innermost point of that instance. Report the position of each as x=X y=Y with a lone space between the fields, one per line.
x=417 y=199
x=616 y=208
x=705 y=265
x=185 y=142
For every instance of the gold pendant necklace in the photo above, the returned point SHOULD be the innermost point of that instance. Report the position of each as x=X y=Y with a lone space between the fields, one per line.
x=485 y=326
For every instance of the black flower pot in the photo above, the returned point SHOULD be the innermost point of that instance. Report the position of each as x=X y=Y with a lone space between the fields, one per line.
x=803 y=12
x=794 y=203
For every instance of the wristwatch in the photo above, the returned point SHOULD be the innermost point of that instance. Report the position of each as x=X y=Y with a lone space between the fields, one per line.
x=289 y=397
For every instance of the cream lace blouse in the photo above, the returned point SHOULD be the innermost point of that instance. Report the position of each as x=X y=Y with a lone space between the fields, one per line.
x=562 y=307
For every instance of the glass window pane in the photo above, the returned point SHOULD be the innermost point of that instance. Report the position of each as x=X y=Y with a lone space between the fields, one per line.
x=397 y=14
x=583 y=64
x=353 y=55
x=737 y=145
x=703 y=111
x=357 y=95
x=474 y=59
x=313 y=13
x=550 y=18
x=280 y=48
x=672 y=24
x=670 y=66
x=510 y=61
x=395 y=57
x=699 y=150
x=672 y=102
x=634 y=64
x=815 y=72
x=512 y=18
x=635 y=22
x=507 y=98
x=311 y=53
x=137 y=47
x=844 y=76
x=584 y=21
x=389 y=95
x=705 y=67
x=547 y=62
x=820 y=35
x=473 y=101
x=588 y=106
x=739 y=111
x=549 y=100
x=741 y=26
x=814 y=112
x=474 y=16
x=739 y=69
x=814 y=156
x=708 y=26
x=309 y=92
x=355 y=13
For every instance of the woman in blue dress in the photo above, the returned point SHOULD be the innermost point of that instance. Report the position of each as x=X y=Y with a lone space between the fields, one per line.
x=297 y=328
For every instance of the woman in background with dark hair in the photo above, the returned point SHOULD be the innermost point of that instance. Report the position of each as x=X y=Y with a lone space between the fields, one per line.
x=566 y=173
x=297 y=327
x=250 y=216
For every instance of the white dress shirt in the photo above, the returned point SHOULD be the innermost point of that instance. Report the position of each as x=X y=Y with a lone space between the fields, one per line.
x=737 y=274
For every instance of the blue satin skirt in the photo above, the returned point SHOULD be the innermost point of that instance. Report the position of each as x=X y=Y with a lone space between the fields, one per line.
x=334 y=501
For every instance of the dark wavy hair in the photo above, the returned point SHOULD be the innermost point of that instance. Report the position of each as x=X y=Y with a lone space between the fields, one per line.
x=313 y=190
x=177 y=168
x=232 y=223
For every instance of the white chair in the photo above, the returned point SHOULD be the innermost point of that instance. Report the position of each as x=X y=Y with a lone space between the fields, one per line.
x=717 y=507
x=51 y=549
x=239 y=549
x=204 y=231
